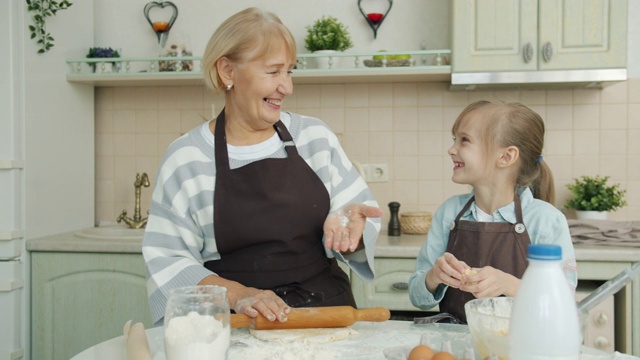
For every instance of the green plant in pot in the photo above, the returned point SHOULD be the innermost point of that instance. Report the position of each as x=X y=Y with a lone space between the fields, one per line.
x=327 y=34
x=593 y=198
x=98 y=52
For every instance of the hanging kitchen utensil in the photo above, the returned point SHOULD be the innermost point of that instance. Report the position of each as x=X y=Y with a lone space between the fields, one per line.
x=161 y=28
x=375 y=19
x=313 y=317
x=609 y=288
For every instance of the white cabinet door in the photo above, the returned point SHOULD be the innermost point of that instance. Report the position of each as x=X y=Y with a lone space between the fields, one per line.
x=490 y=35
x=533 y=35
x=583 y=34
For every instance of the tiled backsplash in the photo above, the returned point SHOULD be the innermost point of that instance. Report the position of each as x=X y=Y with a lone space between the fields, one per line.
x=404 y=125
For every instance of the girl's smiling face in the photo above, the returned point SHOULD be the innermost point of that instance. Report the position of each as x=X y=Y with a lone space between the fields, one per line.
x=468 y=151
x=260 y=87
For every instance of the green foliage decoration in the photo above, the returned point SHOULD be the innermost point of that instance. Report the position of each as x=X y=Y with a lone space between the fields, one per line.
x=327 y=33
x=42 y=10
x=593 y=194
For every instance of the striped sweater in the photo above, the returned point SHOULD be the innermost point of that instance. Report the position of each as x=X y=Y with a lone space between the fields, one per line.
x=179 y=235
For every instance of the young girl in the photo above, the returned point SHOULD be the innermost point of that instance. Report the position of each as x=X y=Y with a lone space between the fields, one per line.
x=477 y=243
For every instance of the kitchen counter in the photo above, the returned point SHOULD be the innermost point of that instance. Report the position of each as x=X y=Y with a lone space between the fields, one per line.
x=404 y=246
x=373 y=341
x=395 y=262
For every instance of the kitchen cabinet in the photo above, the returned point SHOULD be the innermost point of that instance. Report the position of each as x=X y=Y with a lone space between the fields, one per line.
x=615 y=323
x=538 y=35
x=80 y=299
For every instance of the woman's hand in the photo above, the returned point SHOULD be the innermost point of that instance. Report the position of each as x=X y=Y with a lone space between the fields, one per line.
x=251 y=301
x=343 y=228
x=490 y=282
x=447 y=270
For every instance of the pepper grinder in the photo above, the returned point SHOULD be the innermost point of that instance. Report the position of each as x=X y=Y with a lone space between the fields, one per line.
x=394 y=221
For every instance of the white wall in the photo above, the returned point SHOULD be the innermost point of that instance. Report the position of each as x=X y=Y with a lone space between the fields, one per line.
x=121 y=23
x=59 y=128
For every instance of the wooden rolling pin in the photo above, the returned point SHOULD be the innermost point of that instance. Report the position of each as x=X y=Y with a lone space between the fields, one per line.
x=313 y=317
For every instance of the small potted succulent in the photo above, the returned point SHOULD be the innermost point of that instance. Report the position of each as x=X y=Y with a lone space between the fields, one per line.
x=327 y=34
x=593 y=198
x=98 y=52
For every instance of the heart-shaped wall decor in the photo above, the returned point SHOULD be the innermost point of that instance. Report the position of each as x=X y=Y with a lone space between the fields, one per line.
x=374 y=19
x=161 y=27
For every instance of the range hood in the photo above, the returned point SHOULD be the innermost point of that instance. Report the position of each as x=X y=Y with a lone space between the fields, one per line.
x=537 y=79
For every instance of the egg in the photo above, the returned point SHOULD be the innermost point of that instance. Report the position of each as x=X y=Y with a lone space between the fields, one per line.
x=443 y=355
x=421 y=352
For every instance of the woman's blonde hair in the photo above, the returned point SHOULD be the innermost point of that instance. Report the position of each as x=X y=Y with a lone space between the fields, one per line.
x=514 y=124
x=243 y=37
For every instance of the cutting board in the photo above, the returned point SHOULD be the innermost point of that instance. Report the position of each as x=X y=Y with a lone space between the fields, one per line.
x=313 y=317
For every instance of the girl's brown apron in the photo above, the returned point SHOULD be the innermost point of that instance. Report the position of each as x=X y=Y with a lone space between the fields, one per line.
x=268 y=219
x=501 y=245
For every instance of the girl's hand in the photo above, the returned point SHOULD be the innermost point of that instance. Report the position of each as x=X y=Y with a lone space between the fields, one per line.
x=447 y=270
x=490 y=282
x=343 y=228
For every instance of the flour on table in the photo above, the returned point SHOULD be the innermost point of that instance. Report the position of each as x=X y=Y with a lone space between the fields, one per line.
x=309 y=336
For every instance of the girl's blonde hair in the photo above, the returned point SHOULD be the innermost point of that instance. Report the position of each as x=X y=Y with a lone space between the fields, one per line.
x=514 y=124
x=245 y=36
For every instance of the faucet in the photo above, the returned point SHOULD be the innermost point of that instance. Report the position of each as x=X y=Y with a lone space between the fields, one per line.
x=137 y=222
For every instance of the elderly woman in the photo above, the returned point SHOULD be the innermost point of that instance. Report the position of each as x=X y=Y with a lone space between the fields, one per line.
x=259 y=201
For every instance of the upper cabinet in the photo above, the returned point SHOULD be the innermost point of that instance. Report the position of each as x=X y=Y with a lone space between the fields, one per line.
x=538 y=35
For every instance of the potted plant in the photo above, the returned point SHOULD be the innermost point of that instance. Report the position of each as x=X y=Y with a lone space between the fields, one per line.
x=98 y=52
x=593 y=198
x=327 y=34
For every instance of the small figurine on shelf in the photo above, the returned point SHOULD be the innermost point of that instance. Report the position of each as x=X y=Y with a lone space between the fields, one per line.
x=176 y=49
x=104 y=66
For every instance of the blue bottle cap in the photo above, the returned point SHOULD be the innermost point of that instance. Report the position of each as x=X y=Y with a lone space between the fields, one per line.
x=544 y=252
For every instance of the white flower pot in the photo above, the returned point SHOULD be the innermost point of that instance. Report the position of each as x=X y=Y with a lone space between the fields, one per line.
x=329 y=62
x=591 y=215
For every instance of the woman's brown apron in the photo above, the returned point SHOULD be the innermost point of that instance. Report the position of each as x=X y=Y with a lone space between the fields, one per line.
x=268 y=219
x=501 y=245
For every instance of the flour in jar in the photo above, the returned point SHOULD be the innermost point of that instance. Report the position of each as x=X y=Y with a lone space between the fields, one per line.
x=196 y=337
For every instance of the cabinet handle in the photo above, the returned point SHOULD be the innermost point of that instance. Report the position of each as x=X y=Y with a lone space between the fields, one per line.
x=400 y=286
x=547 y=52
x=601 y=319
x=527 y=52
x=601 y=342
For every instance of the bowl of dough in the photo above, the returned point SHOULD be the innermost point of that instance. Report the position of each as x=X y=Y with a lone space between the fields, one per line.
x=488 y=320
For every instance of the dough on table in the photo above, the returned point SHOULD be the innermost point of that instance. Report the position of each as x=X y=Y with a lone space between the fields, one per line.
x=310 y=336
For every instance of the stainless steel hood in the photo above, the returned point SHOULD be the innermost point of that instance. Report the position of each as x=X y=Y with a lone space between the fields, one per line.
x=537 y=79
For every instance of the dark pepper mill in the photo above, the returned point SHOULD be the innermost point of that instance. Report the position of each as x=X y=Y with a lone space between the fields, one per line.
x=394 y=221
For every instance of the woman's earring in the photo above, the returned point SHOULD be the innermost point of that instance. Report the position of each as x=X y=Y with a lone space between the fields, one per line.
x=229 y=86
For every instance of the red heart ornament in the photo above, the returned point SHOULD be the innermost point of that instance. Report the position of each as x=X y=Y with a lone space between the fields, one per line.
x=374 y=19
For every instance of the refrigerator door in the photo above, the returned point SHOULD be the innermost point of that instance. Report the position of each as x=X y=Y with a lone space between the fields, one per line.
x=11 y=285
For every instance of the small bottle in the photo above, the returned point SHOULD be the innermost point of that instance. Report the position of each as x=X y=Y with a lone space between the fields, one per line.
x=394 y=221
x=544 y=320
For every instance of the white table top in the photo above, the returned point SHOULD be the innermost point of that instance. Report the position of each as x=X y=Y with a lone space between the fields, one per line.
x=371 y=342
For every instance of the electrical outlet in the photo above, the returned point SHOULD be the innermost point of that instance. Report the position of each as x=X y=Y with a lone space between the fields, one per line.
x=376 y=172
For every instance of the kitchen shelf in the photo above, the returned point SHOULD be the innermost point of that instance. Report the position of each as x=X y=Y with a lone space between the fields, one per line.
x=145 y=71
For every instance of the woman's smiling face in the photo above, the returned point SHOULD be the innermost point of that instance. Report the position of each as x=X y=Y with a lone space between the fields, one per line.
x=260 y=87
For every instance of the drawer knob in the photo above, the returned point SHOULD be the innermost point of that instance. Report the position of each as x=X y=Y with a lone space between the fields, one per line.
x=400 y=286
x=601 y=319
x=601 y=342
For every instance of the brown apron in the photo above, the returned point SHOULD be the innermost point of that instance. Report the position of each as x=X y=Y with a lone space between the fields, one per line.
x=501 y=245
x=268 y=219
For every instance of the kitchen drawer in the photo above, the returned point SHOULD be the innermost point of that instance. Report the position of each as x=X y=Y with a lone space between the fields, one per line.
x=389 y=288
x=600 y=329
